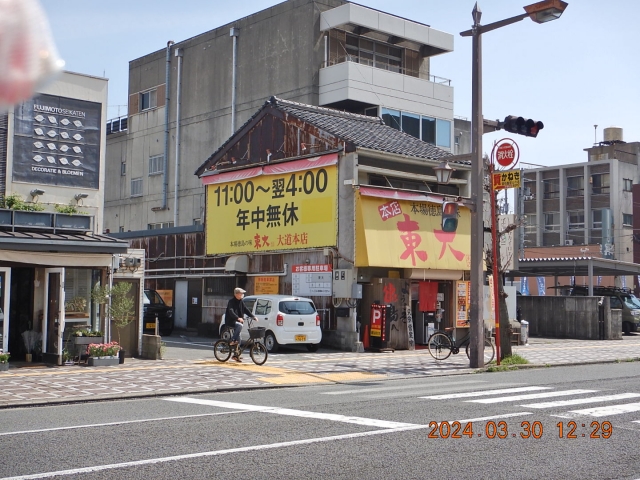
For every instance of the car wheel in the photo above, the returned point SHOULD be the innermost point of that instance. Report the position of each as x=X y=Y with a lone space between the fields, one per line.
x=312 y=347
x=626 y=328
x=270 y=342
x=226 y=333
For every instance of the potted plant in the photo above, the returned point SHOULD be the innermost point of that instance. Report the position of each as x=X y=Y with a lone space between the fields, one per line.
x=4 y=361
x=120 y=309
x=103 y=354
x=67 y=357
x=30 y=339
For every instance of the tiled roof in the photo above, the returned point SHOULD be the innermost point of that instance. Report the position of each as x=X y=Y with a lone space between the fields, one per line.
x=361 y=130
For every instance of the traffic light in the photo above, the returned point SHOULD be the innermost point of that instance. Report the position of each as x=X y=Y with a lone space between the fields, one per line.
x=522 y=126
x=449 y=216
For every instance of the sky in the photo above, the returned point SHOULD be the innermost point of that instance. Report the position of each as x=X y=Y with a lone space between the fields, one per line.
x=572 y=74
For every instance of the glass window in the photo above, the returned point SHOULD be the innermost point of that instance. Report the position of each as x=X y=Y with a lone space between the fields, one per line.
x=156 y=164
x=443 y=133
x=123 y=168
x=531 y=225
x=263 y=307
x=411 y=124
x=136 y=187
x=575 y=186
x=429 y=130
x=552 y=221
x=600 y=183
x=391 y=118
x=78 y=305
x=551 y=188
x=148 y=100
x=576 y=220
x=627 y=219
x=297 y=307
x=596 y=218
x=627 y=183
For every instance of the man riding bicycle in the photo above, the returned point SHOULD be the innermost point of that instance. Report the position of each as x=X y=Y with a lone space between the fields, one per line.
x=234 y=317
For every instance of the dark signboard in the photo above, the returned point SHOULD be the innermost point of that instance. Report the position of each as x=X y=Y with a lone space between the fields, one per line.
x=57 y=142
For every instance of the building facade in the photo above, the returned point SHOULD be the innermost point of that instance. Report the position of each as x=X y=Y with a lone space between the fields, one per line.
x=188 y=98
x=52 y=251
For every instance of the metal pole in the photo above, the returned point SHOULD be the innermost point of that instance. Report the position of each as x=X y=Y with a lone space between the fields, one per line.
x=495 y=269
x=477 y=187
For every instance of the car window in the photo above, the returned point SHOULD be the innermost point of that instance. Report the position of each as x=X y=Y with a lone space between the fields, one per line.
x=248 y=302
x=152 y=297
x=631 y=301
x=297 y=307
x=263 y=307
x=615 y=302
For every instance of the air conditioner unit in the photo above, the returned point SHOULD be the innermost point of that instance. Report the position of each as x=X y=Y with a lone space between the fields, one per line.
x=568 y=242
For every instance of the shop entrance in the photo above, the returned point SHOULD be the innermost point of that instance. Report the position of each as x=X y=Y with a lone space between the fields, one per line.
x=53 y=315
x=20 y=308
x=5 y=283
x=429 y=305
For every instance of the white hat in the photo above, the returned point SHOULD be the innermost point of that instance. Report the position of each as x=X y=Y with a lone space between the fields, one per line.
x=239 y=290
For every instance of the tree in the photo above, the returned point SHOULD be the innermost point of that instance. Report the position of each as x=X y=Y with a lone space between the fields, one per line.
x=118 y=304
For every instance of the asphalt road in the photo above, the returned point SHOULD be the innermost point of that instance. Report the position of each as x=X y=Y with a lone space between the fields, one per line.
x=372 y=430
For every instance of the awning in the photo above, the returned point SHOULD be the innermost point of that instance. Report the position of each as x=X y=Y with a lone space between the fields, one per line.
x=572 y=266
x=56 y=259
x=237 y=263
x=272 y=169
x=400 y=195
x=44 y=241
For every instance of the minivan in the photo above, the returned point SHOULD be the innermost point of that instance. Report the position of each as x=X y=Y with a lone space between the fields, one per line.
x=619 y=298
x=289 y=320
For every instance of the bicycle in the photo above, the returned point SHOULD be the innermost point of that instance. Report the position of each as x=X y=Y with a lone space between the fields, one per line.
x=441 y=345
x=223 y=349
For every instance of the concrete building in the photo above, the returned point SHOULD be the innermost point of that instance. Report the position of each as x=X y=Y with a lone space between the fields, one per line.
x=583 y=209
x=188 y=98
x=52 y=252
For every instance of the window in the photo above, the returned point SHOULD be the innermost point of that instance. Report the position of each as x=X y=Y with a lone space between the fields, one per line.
x=411 y=124
x=531 y=225
x=148 y=100
x=600 y=184
x=123 y=169
x=156 y=165
x=121 y=229
x=596 y=218
x=136 y=187
x=627 y=183
x=197 y=221
x=552 y=222
x=575 y=186
x=371 y=112
x=627 y=219
x=375 y=54
x=443 y=133
x=263 y=307
x=551 y=188
x=429 y=130
x=576 y=220
x=156 y=226
x=391 y=118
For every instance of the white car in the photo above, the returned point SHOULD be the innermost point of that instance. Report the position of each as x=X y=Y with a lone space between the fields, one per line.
x=288 y=320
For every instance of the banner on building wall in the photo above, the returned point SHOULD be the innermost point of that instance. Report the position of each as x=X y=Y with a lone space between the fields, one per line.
x=407 y=233
x=463 y=300
x=312 y=280
x=572 y=281
x=524 y=286
x=57 y=142
x=270 y=212
x=541 y=286
x=623 y=281
x=599 y=279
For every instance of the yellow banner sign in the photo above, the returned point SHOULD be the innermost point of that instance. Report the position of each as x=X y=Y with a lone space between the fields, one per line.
x=506 y=179
x=285 y=211
x=408 y=234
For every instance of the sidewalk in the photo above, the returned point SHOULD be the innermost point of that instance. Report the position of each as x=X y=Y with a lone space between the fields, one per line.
x=190 y=368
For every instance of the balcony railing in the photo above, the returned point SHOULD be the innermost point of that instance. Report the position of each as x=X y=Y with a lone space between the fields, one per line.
x=117 y=125
x=16 y=220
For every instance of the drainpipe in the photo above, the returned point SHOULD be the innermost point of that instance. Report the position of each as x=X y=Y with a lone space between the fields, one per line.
x=234 y=32
x=179 y=52
x=167 y=78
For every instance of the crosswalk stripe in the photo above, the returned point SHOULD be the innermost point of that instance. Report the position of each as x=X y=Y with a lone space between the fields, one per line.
x=609 y=410
x=578 y=401
x=449 y=396
x=515 y=398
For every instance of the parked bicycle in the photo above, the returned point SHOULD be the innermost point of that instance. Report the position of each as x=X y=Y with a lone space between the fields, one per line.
x=223 y=350
x=441 y=345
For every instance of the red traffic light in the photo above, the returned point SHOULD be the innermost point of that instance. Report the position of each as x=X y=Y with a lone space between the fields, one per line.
x=522 y=126
x=449 y=216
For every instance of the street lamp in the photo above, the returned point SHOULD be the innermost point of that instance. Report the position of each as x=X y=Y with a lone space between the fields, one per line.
x=443 y=172
x=539 y=12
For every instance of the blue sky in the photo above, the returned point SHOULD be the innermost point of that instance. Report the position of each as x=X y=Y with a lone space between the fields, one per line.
x=572 y=74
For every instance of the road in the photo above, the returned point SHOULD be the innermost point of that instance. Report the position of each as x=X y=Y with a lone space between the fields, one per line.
x=373 y=430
